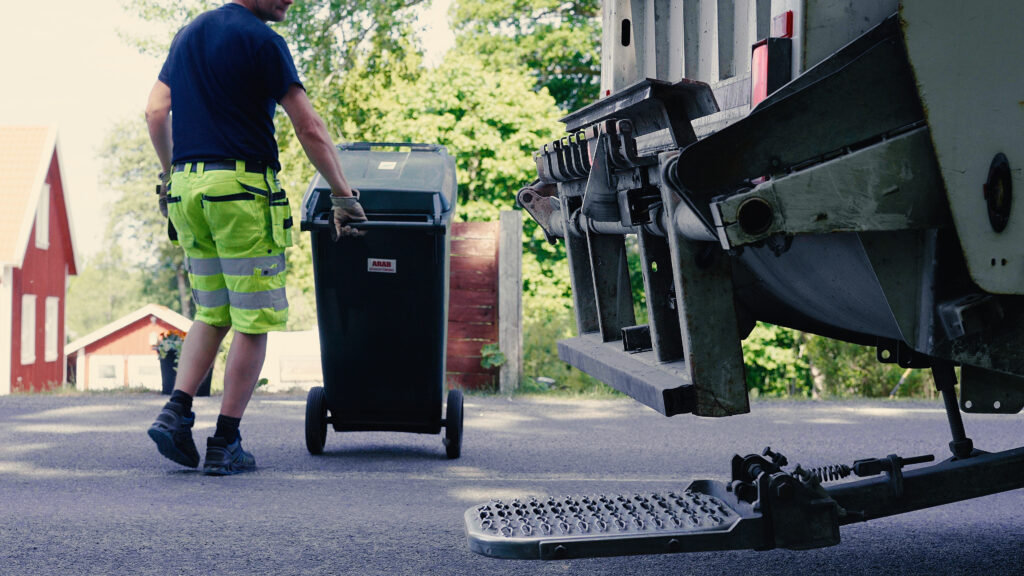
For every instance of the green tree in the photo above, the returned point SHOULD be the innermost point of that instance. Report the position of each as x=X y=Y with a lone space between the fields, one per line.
x=105 y=289
x=775 y=363
x=488 y=118
x=136 y=226
x=558 y=41
x=854 y=370
x=324 y=34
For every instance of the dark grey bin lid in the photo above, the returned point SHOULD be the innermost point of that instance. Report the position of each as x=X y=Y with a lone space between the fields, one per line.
x=393 y=178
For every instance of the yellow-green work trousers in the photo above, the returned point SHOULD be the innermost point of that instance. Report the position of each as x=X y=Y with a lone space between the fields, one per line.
x=233 y=227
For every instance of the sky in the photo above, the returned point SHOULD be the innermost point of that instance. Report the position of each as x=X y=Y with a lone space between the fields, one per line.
x=63 y=64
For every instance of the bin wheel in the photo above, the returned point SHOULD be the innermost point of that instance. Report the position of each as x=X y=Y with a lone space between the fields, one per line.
x=316 y=420
x=453 y=425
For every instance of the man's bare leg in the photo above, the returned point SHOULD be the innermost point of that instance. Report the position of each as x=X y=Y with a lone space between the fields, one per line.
x=224 y=453
x=197 y=355
x=245 y=360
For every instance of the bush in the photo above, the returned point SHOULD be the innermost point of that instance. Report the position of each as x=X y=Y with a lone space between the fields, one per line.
x=854 y=370
x=548 y=318
x=775 y=364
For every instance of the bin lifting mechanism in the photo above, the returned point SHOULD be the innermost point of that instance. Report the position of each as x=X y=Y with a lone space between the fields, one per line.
x=765 y=505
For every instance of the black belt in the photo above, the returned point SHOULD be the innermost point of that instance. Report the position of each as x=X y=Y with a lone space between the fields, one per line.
x=250 y=167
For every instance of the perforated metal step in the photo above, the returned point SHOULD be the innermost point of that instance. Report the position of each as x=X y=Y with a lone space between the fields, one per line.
x=601 y=525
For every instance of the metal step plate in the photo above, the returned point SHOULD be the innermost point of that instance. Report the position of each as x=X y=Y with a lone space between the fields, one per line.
x=600 y=525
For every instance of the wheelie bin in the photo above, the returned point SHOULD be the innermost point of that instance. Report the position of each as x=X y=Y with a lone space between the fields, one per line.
x=382 y=298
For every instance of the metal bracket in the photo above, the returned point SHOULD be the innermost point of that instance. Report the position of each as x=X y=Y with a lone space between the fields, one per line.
x=892 y=185
x=636 y=338
x=987 y=392
x=652 y=105
x=541 y=202
x=969 y=314
x=897 y=352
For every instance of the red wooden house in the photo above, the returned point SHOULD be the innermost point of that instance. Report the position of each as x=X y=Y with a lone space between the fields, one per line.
x=120 y=355
x=37 y=254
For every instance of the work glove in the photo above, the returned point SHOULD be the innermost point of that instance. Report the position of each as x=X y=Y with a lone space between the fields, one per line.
x=347 y=209
x=161 y=191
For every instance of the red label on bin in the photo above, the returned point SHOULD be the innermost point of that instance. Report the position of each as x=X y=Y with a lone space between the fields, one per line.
x=381 y=265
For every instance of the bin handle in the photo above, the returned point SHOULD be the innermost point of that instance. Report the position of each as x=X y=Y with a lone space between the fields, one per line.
x=326 y=224
x=369 y=145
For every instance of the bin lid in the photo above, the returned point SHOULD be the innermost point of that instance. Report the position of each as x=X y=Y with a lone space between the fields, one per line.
x=392 y=178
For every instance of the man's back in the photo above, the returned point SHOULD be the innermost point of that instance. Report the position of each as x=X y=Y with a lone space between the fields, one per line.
x=227 y=70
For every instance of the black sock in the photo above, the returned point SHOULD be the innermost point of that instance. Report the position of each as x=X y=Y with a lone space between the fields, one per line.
x=227 y=428
x=182 y=398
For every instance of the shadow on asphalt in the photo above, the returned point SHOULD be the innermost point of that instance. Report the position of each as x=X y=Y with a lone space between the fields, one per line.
x=381 y=453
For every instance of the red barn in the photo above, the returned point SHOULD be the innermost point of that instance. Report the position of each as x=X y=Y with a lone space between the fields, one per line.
x=120 y=355
x=37 y=254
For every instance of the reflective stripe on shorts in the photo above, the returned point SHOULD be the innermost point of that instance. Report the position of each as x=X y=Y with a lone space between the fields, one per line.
x=275 y=299
x=267 y=265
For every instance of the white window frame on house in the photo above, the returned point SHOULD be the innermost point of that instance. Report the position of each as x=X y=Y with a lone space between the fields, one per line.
x=43 y=219
x=28 y=329
x=52 y=314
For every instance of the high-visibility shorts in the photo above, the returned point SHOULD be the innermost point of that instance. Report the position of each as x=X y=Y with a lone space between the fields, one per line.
x=233 y=226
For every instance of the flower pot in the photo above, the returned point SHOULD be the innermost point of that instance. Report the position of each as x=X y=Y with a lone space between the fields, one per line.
x=168 y=372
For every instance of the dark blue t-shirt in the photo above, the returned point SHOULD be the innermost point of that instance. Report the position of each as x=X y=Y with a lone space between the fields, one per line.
x=227 y=71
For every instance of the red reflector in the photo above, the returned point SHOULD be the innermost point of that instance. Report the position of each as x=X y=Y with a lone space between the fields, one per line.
x=759 y=74
x=782 y=25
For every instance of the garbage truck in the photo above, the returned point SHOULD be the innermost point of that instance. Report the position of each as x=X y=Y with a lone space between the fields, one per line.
x=841 y=167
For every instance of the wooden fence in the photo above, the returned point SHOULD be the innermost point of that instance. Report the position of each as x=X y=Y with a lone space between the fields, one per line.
x=472 y=303
x=485 y=302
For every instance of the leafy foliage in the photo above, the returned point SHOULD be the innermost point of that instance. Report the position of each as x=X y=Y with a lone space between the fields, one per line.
x=775 y=363
x=136 y=225
x=105 y=289
x=853 y=370
x=784 y=362
x=488 y=118
x=547 y=318
x=558 y=41
x=491 y=356
x=324 y=34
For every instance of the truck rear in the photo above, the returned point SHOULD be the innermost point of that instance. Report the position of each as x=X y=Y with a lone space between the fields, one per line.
x=844 y=168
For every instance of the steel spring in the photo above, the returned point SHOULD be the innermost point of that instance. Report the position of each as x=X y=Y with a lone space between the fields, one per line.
x=829 y=473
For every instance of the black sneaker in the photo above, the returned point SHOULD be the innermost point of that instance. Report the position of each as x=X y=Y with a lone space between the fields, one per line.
x=172 y=433
x=223 y=459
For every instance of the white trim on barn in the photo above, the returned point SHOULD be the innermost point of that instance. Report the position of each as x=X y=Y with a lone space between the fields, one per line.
x=42 y=224
x=79 y=368
x=161 y=312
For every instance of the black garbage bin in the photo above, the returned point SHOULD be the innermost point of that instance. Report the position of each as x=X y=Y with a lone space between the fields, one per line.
x=382 y=298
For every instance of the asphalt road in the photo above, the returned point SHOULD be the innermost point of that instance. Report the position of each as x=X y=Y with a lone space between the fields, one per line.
x=83 y=490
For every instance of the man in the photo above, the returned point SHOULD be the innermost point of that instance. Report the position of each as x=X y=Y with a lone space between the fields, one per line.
x=217 y=94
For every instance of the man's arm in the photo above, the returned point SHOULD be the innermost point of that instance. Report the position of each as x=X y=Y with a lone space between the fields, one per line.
x=316 y=142
x=158 y=119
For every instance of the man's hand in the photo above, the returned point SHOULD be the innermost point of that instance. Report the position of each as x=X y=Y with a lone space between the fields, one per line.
x=161 y=191
x=347 y=209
